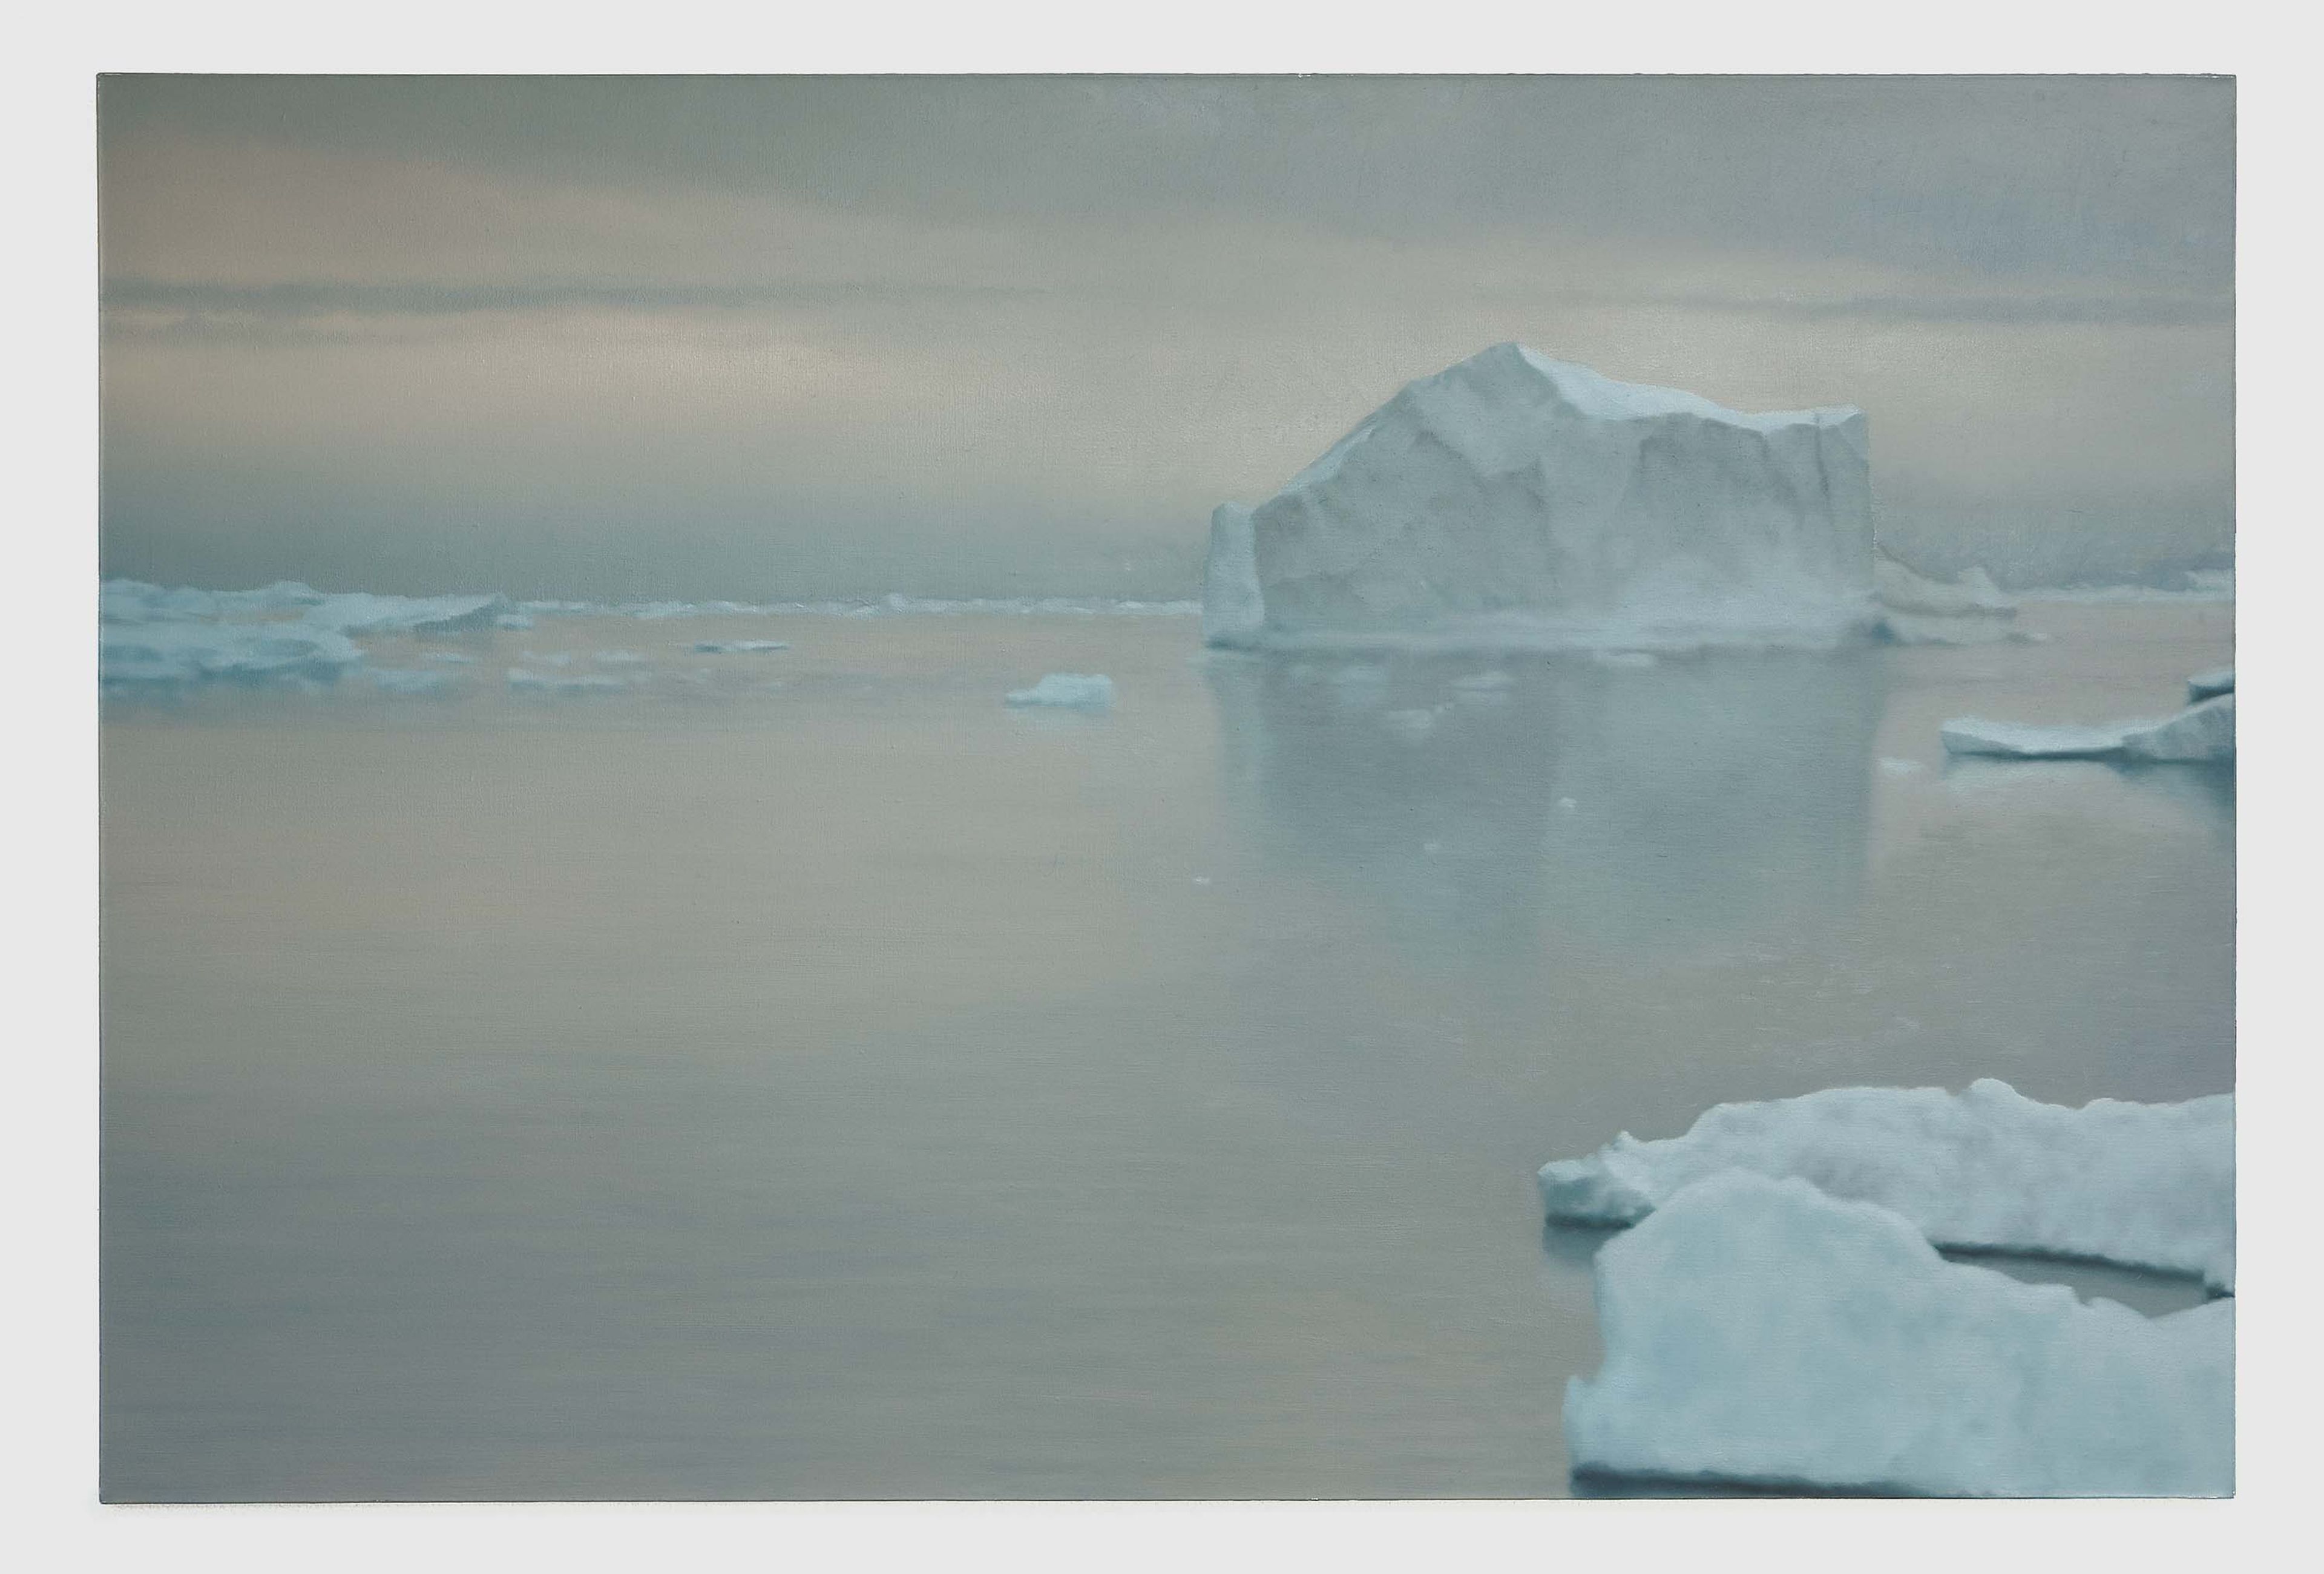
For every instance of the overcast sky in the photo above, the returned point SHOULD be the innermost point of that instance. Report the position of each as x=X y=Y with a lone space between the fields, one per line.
x=762 y=337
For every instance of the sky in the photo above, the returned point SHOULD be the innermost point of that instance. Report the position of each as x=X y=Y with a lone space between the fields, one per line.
x=768 y=338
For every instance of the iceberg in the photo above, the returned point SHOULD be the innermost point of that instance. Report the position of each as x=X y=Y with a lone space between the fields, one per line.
x=1071 y=690
x=133 y=600
x=2208 y=686
x=1512 y=500
x=1757 y=1330
x=739 y=647
x=2145 y=1186
x=2202 y=734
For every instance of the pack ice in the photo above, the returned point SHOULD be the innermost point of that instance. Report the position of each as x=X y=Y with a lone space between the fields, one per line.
x=2146 y=1185
x=1512 y=500
x=1758 y=1331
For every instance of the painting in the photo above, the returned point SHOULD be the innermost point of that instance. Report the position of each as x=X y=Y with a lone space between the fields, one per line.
x=1132 y=787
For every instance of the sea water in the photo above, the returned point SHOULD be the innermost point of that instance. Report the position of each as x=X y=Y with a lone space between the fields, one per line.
x=794 y=1074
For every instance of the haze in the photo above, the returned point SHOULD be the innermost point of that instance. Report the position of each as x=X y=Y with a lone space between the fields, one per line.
x=768 y=338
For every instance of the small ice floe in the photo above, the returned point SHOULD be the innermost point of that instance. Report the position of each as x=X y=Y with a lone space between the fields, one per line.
x=1568 y=805
x=2202 y=733
x=450 y=658
x=563 y=683
x=413 y=680
x=554 y=659
x=739 y=647
x=1623 y=660
x=513 y=620
x=1491 y=681
x=2208 y=686
x=1077 y=691
x=617 y=659
x=2145 y=1186
x=1759 y=1331
x=1892 y=765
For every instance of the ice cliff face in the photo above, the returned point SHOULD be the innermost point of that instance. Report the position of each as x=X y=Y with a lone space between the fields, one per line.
x=1513 y=500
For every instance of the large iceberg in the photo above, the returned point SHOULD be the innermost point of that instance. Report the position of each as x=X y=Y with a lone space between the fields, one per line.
x=1515 y=500
x=1758 y=1331
x=2146 y=1185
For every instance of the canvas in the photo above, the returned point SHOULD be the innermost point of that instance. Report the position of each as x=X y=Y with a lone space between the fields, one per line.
x=1166 y=788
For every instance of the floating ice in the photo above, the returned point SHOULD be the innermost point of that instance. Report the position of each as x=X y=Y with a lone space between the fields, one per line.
x=618 y=659
x=739 y=647
x=563 y=683
x=1071 y=690
x=1489 y=682
x=2146 y=1185
x=1758 y=1331
x=2032 y=741
x=133 y=600
x=2203 y=733
x=2206 y=685
x=171 y=652
x=451 y=658
x=1905 y=589
x=1515 y=500
x=362 y=613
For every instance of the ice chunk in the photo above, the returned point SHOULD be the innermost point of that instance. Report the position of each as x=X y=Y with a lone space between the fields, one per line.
x=2202 y=733
x=182 y=652
x=2146 y=1185
x=1488 y=682
x=618 y=659
x=361 y=613
x=739 y=647
x=519 y=621
x=1073 y=690
x=563 y=683
x=451 y=658
x=1513 y=500
x=1758 y=1331
x=1905 y=589
x=2029 y=740
x=2205 y=685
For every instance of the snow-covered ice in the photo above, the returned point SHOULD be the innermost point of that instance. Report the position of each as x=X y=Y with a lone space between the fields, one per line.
x=2205 y=685
x=1515 y=500
x=739 y=647
x=1082 y=691
x=2146 y=1185
x=1759 y=1331
x=133 y=600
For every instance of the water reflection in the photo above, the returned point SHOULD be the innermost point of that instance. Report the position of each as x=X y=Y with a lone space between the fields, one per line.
x=1484 y=806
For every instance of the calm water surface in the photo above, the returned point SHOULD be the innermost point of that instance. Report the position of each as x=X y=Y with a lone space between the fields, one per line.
x=796 y=1075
